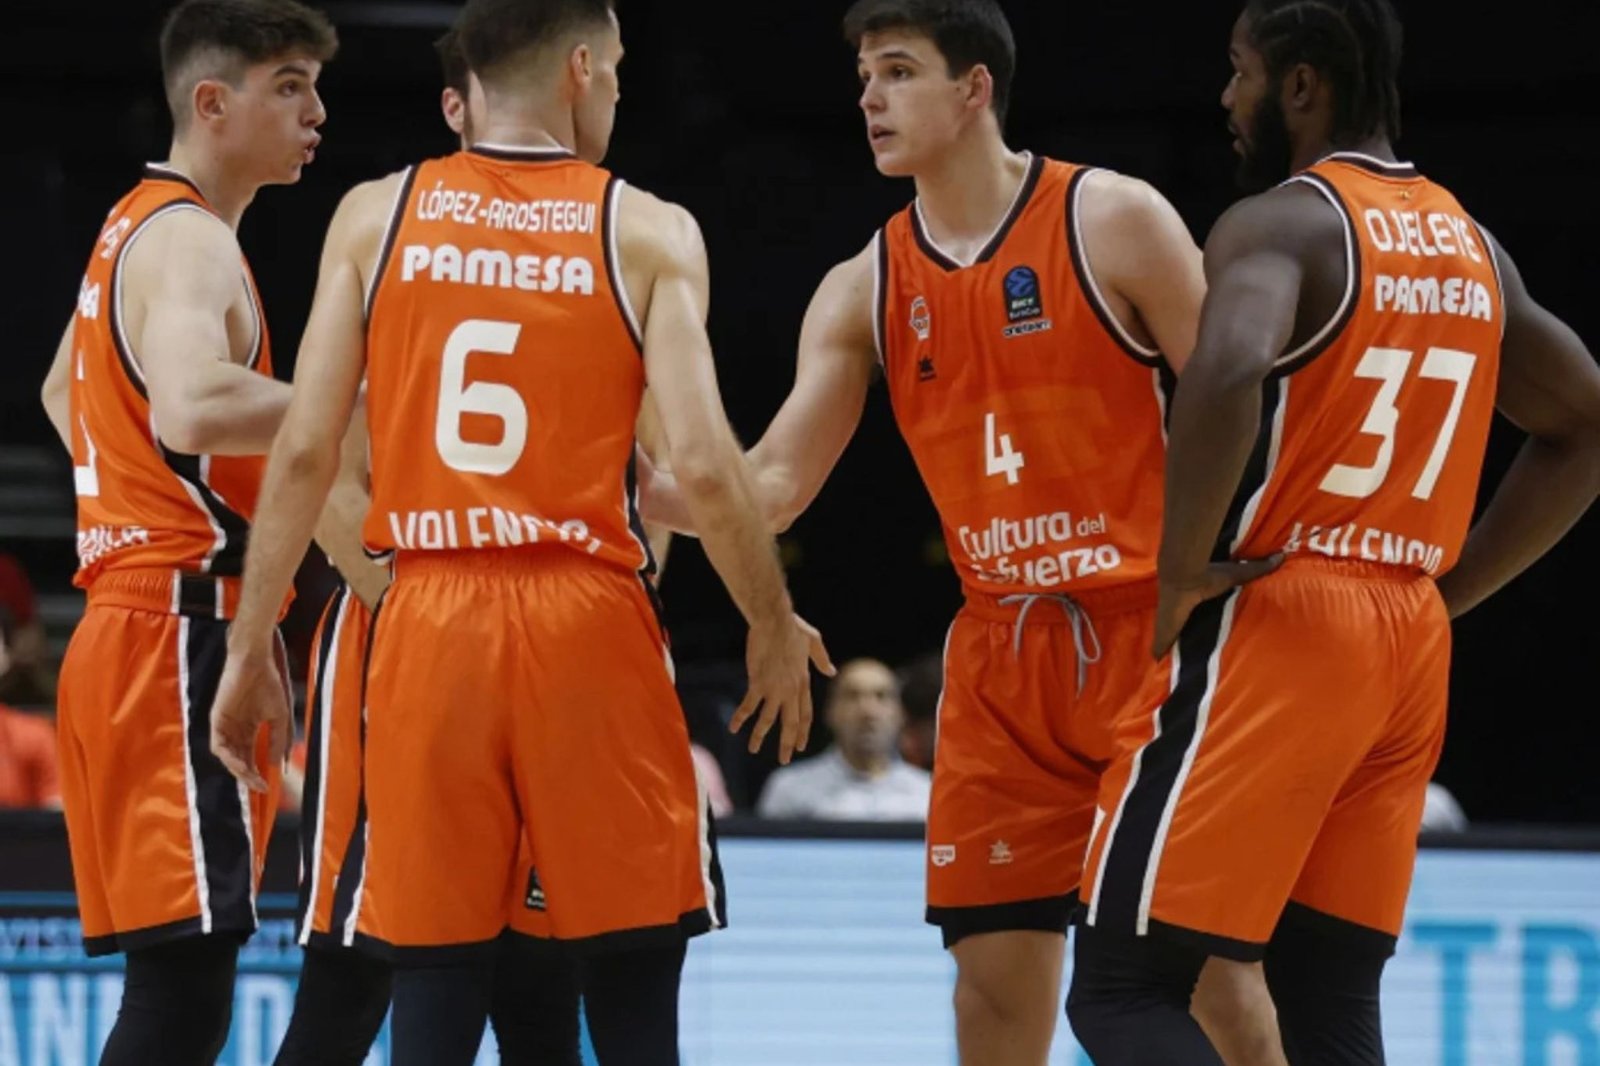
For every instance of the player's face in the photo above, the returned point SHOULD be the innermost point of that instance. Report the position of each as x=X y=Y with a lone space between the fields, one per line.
x=595 y=103
x=864 y=711
x=914 y=109
x=1255 y=115
x=269 y=123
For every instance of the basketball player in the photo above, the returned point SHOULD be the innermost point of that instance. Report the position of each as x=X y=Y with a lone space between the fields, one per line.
x=1359 y=332
x=517 y=665
x=343 y=993
x=169 y=395
x=1028 y=316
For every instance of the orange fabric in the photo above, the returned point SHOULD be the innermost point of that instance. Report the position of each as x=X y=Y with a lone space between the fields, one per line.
x=1380 y=438
x=164 y=841
x=331 y=798
x=1289 y=762
x=30 y=774
x=1020 y=748
x=527 y=694
x=138 y=504
x=1037 y=429
x=503 y=378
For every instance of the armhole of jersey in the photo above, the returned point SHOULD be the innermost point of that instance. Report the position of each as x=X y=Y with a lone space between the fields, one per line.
x=1499 y=278
x=259 y=320
x=386 y=249
x=119 y=336
x=1091 y=291
x=1291 y=361
x=608 y=231
x=880 y=297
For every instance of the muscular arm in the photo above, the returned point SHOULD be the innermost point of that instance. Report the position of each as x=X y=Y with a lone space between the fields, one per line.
x=655 y=454
x=664 y=257
x=339 y=529
x=55 y=394
x=832 y=372
x=1256 y=264
x=1142 y=256
x=187 y=268
x=1549 y=387
x=305 y=456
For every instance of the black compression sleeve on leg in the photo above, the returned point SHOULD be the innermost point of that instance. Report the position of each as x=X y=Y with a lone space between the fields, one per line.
x=1323 y=974
x=177 y=1002
x=630 y=999
x=1129 y=1002
x=535 y=1006
x=439 y=1014
x=338 y=1009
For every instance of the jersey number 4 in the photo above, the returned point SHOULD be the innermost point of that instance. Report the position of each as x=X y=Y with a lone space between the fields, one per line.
x=457 y=398
x=998 y=456
x=1389 y=365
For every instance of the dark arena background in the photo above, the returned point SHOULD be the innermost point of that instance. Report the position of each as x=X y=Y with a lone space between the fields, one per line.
x=746 y=114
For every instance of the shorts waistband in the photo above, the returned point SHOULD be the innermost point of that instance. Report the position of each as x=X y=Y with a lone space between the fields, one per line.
x=1351 y=569
x=530 y=558
x=166 y=592
x=1095 y=602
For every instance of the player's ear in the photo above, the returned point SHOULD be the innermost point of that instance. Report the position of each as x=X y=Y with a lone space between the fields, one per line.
x=978 y=86
x=1300 y=87
x=209 y=99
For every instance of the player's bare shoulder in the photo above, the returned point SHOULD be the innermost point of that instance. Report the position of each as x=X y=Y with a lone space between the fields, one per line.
x=363 y=220
x=844 y=307
x=1296 y=218
x=655 y=237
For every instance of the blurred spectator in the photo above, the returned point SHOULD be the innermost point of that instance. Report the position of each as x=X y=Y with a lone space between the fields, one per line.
x=1440 y=811
x=29 y=774
x=861 y=776
x=921 y=684
x=24 y=677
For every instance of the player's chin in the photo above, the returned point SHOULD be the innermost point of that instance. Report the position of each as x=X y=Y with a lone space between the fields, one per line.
x=893 y=164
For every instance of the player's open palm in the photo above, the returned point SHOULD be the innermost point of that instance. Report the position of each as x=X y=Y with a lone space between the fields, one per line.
x=1178 y=599
x=250 y=695
x=777 y=658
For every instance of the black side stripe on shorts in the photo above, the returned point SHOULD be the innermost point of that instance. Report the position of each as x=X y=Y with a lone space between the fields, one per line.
x=353 y=871
x=1257 y=470
x=316 y=764
x=1138 y=833
x=225 y=861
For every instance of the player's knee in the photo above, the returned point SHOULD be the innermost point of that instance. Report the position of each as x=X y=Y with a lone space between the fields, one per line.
x=1233 y=1006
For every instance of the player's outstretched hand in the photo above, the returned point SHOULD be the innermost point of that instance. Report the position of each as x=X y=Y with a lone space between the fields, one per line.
x=1178 y=598
x=777 y=657
x=251 y=694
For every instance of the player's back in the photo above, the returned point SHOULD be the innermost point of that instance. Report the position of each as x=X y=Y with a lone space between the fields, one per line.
x=1375 y=429
x=1034 y=418
x=503 y=361
x=141 y=504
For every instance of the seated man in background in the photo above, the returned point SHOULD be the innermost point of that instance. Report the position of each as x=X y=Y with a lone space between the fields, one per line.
x=860 y=776
x=29 y=775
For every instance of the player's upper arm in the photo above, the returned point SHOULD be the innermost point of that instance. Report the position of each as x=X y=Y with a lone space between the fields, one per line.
x=186 y=267
x=1257 y=258
x=332 y=357
x=833 y=371
x=664 y=264
x=1142 y=250
x=1549 y=383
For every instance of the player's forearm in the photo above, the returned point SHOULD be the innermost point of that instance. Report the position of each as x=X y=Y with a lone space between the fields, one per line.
x=223 y=409
x=1546 y=491
x=292 y=496
x=56 y=392
x=338 y=533
x=1214 y=420
x=722 y=506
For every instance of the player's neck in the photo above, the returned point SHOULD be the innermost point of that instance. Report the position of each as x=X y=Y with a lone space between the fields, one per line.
x=514 y=128
x=966 y=196
x=227 y=195
x=1377 y=146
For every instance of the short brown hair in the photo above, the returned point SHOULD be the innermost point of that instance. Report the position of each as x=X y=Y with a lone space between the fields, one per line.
x=452 y=61
x=238 y=33
x=496 y=34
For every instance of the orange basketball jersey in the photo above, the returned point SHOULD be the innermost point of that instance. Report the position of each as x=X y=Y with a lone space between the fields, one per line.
x=503 y=362
x=1374 y=431
x=1035 y=420
x=140 y=504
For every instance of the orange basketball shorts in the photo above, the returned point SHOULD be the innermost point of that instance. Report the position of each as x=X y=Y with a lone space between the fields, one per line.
x=1288 y=765
x=164 y=842
x=526 y=751
x=1021 y=748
